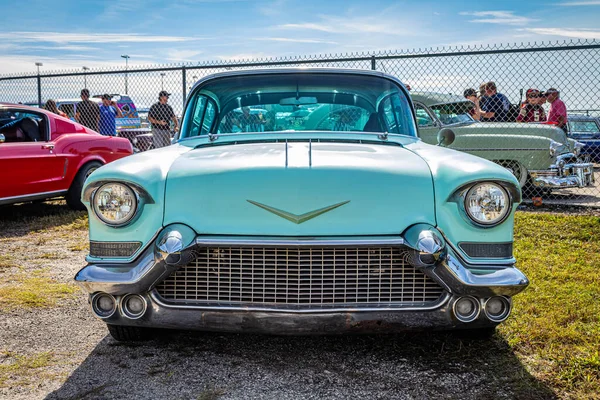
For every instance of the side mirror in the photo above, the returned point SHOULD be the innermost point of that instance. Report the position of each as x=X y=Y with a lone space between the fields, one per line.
x=2 y=138
x=446 y=137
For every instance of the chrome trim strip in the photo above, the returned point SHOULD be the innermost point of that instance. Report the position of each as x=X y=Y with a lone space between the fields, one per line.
x=31 y=197
x=207 y=241
x=158 y=300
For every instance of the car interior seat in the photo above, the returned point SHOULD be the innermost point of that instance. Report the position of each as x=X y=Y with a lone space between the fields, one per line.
x=373 y=124
x=31 y=129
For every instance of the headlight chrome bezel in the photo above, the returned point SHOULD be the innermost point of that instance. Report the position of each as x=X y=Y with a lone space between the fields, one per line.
x=131 y=216
x=485 y=224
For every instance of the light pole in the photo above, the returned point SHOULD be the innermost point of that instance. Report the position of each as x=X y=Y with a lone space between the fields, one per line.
x=126 y=57
x=85 y=76
x=39 y=83
x=162 y=81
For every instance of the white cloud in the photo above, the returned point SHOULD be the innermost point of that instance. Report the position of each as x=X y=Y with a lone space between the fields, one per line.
x=498 y=17
x=348 y=25
x=293 y=40
x=566 y=32
x=63 y=37
x=243 y=57
x=273 y=8
x=183 y=55
x=579 y=3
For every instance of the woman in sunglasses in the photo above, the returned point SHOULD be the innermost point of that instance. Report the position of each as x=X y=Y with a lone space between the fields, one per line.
x=531 y=109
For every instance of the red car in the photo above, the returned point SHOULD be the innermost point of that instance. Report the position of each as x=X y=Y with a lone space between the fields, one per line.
x=43 y=155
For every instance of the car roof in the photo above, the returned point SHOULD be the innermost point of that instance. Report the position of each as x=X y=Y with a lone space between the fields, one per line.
x=294 y=70
x=431 y=98
x=582 y=117
x=77 y=100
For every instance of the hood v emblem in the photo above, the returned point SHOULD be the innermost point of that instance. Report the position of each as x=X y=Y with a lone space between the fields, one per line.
x=298 y=219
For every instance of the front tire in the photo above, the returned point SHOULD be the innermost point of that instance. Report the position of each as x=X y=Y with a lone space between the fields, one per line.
x=128 y=333
x=518 y=170
x=73 y=196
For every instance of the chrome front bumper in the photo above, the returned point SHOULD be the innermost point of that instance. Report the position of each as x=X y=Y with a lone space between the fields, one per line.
x=174 y=249
x=564 y=175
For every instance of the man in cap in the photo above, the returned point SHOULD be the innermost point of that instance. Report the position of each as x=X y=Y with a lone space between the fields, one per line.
x=531 y=109
x=88 y=112
x=160 y=116
x=496 y=105
x=109 y=111
x=557 y=114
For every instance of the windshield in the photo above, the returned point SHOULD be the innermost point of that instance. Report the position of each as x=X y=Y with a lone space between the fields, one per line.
x=453 y=113
x=298 y=102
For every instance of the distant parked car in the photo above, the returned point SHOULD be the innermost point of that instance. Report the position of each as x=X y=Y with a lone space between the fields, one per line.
x=538 y=155
x=340 y=222
x=43 y=155
x=586 y=129
x=130 y=118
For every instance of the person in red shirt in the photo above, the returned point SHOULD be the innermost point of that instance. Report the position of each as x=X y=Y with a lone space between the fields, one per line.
x=558 y=110
x=531 y=109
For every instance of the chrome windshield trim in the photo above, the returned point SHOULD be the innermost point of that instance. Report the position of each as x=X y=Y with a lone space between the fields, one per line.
x=325 y=310
x=207 y=241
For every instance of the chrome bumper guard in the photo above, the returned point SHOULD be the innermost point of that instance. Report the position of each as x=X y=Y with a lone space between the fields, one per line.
x=175 y=247
x=565 y=175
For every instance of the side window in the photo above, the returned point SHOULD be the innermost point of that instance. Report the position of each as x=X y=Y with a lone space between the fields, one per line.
x=583 y=126
x=423 y=117
x=209 y=117
x=18 y=126
x=397 y=115
x=196 y=118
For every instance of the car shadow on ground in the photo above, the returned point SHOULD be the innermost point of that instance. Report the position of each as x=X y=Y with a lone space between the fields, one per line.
x=20 y=219
x=184 y=365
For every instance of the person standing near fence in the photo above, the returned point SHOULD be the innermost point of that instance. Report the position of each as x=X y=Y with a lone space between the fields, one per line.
x=557 y=114
x=51 y=106
x=495 y=106
x=88 y=112
x=109 y=111
x=160 y=115
x=531 y=109
x=475 y=111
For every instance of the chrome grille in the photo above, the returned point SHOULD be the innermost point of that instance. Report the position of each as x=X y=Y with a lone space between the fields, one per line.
x=300 y=277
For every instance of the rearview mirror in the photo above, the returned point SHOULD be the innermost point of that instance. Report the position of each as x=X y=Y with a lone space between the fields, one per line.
x=300 y=101
x=2 y=138
x=446 y=137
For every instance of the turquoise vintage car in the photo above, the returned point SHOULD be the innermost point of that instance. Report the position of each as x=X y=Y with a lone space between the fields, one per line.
x=322 y=212
x=539 y=155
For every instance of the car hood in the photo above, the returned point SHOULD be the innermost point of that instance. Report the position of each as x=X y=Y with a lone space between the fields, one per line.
x=299 y=189
x=514 y=128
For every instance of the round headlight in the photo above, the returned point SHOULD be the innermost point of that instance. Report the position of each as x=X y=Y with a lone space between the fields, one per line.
x=487 y=203
x=114 y=203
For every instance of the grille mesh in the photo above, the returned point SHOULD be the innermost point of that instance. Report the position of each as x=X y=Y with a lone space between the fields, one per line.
x=300 y=277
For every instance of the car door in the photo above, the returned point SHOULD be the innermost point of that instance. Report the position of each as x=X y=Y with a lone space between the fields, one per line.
x=29 y=167
x=427 y=124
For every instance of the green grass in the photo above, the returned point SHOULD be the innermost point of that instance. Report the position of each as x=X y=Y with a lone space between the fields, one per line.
x=555 y=326
x=22 y=370
x=32 y=290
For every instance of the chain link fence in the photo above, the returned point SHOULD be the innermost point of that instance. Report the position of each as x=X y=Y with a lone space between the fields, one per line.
x=495 y=98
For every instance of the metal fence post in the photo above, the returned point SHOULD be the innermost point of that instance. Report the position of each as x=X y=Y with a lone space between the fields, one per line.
x=373 y=65
x=39 y=83
x=184 y=87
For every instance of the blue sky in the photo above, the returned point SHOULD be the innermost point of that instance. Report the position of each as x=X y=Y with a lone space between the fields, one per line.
x=66 y=34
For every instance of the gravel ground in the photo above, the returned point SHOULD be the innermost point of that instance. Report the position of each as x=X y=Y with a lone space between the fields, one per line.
x=86 y=363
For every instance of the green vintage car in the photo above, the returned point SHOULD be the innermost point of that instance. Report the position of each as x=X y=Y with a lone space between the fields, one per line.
x=301 y=201
x=537 y=154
